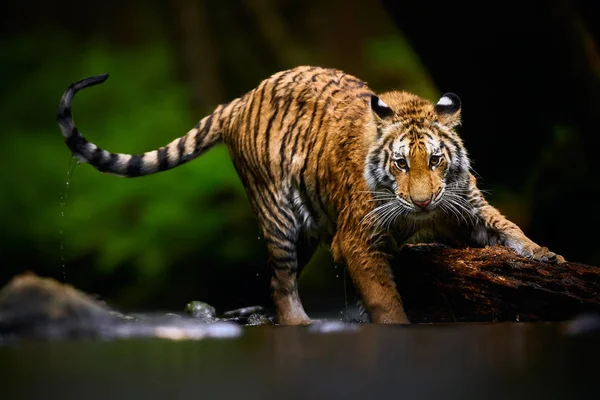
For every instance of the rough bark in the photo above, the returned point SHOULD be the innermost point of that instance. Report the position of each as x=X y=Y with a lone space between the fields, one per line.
x=491 y=284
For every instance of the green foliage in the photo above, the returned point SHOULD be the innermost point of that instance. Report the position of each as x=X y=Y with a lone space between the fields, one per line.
x=147 y=223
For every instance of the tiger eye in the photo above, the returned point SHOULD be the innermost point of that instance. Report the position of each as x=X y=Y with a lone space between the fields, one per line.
x=434 y=160
x=400 y=163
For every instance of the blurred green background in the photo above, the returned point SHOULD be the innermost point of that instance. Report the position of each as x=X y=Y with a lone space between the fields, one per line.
x=528 y=75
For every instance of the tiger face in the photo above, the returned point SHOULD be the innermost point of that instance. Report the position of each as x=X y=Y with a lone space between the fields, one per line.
x=418 y=166
x=419 y=170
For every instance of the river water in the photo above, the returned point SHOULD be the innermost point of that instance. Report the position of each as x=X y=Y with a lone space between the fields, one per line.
x=363 y=361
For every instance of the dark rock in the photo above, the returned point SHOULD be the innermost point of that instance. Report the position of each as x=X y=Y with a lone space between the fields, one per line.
x=244 y=312
x=42 y=308
x=200 y=310
x=34 y=306
x=258 y=319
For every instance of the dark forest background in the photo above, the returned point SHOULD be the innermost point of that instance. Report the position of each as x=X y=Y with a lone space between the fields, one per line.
x=528 y=74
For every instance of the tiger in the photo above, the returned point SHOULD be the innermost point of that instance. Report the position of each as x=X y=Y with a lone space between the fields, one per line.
x=324 y=159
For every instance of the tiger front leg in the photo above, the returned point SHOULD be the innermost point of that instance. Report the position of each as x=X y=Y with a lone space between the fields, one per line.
x=372 y=277
x=494 y=228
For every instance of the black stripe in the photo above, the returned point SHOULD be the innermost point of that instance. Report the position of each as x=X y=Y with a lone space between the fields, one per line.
x=75 y=142
x=283 y=267
x=181 y=149
x=238 y=103
x=286 y=107
x=269 y=212
x=202 y=132
x=386 y=157
x=244 y=133
x=108 y=165
x=460 y=152
x=283 y=211
x=351 y=79
x=374 y=159
x=163 y=158
x=268 y=139
x=134 y=166
x=274 y=104
x=272 y=224
x=284 y=259
x=320 y=154
x=454 y=142
x=96 y=157
x=283 y=244
x=306 y=131
x=253 y=138
x=287 y=135
x=321 y=119
x=341 y=102
x=65 y=117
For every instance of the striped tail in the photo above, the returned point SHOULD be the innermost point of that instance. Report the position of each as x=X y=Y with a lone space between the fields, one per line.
x=199 y=139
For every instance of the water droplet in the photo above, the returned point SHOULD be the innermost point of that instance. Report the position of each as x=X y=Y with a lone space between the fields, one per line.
x=337 y=276
x=63 y=204
x=257 y=274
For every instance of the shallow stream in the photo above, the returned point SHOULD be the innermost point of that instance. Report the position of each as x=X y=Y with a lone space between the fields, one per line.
x=358 y=361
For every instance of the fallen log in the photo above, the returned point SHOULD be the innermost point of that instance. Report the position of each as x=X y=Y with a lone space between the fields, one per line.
x=441 y=284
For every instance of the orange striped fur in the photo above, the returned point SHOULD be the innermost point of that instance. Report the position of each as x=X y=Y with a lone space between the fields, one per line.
x=321 y=156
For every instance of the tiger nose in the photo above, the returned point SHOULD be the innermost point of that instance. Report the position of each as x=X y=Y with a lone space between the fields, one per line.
x=423 y=203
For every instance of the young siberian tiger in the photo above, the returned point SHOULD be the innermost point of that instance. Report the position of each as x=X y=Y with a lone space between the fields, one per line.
x=320 y=154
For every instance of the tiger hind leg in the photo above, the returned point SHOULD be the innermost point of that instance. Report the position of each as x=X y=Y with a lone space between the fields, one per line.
x=282 y=250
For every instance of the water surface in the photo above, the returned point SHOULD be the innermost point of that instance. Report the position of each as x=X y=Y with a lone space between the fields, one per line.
x=461 y=361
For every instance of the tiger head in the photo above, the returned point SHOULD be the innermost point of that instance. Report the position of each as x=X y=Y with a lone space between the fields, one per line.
x=417 y=165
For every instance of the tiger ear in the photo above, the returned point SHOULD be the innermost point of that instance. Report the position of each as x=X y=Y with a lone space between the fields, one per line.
x=380 y=108
x=448 y=109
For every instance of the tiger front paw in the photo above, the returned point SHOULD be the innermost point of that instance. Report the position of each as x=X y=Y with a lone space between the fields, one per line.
x=540 y=253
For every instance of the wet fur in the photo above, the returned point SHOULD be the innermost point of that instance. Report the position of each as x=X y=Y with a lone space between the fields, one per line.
x=318 y=154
